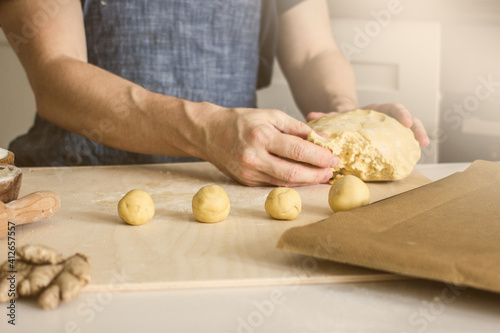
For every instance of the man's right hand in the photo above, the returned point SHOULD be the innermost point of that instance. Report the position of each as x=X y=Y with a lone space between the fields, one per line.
x=262 y=146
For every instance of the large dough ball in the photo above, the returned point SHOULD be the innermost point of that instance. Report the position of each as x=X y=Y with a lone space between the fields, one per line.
x=283 y=203
x=348 y=192
x=369 y=144
x=136 y=207
x=211 y=204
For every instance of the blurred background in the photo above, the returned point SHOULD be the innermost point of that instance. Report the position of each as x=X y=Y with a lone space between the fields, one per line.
x=440 y=58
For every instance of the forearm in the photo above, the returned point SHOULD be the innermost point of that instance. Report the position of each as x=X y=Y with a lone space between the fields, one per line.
x=90 y=101
x=324 y=83
x=103 y=107
x=320 y=77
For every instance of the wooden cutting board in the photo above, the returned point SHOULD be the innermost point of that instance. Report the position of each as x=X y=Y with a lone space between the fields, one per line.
x=173 y=250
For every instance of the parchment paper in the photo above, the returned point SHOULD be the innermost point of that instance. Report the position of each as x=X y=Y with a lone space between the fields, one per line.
x=448 y=230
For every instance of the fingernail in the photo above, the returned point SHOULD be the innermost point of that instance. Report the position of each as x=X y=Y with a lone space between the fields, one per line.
x=334 y=162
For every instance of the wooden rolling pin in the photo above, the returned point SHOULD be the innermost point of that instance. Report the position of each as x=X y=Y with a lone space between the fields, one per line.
x=34 y=207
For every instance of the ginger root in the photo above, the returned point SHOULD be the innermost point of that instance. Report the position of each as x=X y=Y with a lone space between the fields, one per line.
x=38 y=279
x=42 y=271
x=8 y=286
x=68 y=284
x=39 y=254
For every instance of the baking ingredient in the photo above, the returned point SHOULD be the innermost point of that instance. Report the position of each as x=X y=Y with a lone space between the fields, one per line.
x=38 y=278
x=136 y=207
x=7 y=284
x=348 y=192
x=7 y=172
x=48 y=263
x=3 y=153
x=369 y=144
x=75 y=274
x=283 y=203
x=211 y=204
x=42 y=271
x=40 y=254
x=10 y=182
x=6 y=157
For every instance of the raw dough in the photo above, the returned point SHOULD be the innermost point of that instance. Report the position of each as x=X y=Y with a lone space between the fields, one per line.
x=136 y=207
x=369 y=144
x=283 y=203
x=348 y=192
x=211 y=204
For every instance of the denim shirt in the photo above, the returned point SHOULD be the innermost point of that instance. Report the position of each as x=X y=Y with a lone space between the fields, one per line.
x=200 y=50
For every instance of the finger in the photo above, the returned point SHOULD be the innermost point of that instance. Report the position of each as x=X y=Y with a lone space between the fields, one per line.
x=420 y=133
x=394 y=110
x=286 y=124
x=248 y=172
x=288 y=173
x=244 y=175
x=400 y=113
x=252 y=178
x=300 y=150
x=257 y=178
x=314 y=115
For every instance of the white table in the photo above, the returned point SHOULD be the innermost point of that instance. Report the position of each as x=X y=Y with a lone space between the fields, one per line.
x=396 y=306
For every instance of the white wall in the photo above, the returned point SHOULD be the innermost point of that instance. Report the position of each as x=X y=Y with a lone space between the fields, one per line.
x=470 y=118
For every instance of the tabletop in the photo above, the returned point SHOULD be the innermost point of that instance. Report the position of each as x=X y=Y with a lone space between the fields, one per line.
x=409 y=305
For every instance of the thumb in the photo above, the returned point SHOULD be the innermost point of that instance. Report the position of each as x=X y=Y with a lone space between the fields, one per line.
x=314 y=115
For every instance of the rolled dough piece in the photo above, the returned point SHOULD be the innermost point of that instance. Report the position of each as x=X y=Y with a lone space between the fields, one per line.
x=348 y=192
x=211 y=204
x=136 y=207
x=370 y=145
x=283 y=203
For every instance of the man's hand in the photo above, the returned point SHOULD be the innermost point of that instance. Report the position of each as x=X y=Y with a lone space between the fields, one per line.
x=398 y=112
x=259 y=147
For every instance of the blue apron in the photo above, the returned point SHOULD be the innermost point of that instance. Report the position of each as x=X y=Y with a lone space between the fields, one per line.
x=200 y=50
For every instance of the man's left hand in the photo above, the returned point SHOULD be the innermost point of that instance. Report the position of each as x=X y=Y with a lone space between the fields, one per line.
x=398 y=112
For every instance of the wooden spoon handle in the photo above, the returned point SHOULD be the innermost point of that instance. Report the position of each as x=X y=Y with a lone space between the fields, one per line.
x=36 y=206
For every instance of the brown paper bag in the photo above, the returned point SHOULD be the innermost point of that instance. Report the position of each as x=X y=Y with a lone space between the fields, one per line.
x=448 y=231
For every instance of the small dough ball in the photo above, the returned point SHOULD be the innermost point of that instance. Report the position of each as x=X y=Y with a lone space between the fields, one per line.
x=211 y=204
x=348 y=192
x=136 y=207
x=283 y=203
